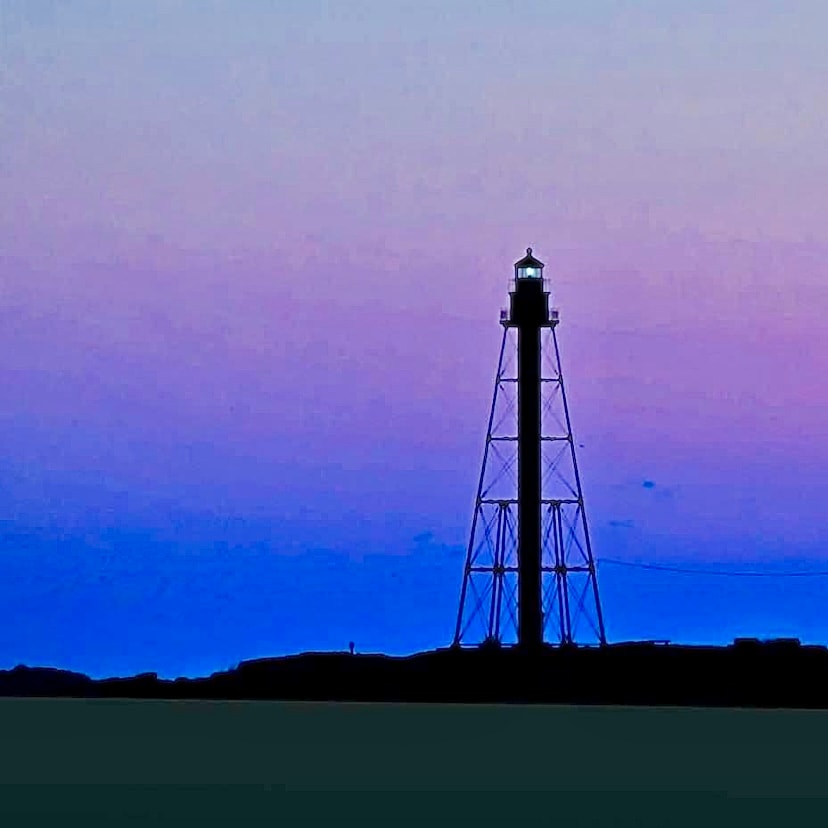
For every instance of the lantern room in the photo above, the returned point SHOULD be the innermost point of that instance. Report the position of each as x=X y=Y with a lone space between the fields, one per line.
x=529 y=267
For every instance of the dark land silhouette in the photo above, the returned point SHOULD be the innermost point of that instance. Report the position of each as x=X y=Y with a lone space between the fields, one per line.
x=780 y=673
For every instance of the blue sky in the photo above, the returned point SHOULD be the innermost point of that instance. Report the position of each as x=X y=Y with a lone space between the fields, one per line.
x=252 y=261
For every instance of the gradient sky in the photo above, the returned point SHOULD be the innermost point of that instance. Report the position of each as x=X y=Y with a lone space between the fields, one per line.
x=252 y=256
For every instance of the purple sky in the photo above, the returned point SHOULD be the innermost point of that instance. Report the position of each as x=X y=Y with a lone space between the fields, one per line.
x=251 y=260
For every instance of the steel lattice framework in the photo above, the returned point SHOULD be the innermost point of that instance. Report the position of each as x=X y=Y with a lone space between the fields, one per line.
x=571 y=604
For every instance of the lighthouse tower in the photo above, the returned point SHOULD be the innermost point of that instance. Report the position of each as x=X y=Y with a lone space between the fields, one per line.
x=529 y=575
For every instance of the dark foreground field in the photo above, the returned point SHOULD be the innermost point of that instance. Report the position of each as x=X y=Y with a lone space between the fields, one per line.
x=120 y=762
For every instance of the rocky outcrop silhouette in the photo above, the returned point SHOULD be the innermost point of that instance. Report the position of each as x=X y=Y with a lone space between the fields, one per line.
x=748 y=673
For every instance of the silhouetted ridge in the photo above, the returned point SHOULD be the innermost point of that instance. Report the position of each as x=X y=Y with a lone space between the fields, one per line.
x=44 y=681
x=749 y=673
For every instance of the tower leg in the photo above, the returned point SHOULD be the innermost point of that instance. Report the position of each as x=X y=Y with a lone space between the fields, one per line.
x=602 y=638
x=467 y=569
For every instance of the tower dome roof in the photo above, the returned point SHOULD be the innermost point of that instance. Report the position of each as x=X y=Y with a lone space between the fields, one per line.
x=529 y=260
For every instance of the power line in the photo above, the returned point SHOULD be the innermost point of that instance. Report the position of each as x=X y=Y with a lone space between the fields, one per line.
x=731 y=574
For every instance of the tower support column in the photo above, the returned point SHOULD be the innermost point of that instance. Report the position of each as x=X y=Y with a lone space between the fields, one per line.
x=530 y=604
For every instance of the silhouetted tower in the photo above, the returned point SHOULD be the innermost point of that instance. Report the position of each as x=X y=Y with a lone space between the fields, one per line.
x=530 y=573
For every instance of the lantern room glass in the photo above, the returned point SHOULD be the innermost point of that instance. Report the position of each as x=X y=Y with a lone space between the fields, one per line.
x=529 y=273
